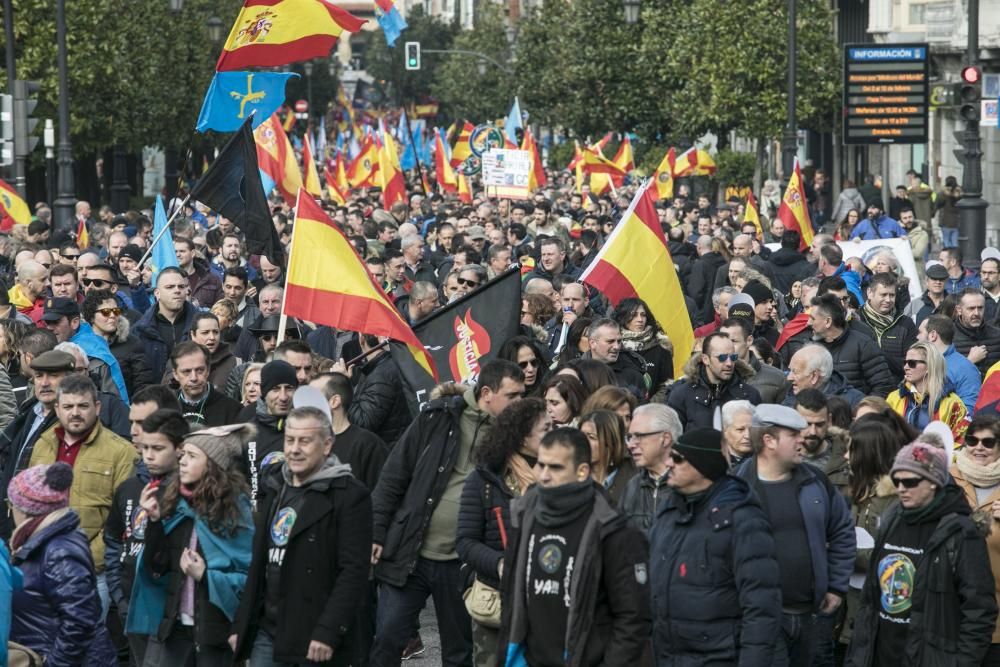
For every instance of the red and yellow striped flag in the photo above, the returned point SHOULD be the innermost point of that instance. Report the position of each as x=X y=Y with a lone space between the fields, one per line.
x=312 y=184
x=635 y=262
x=14 y=209
x=332 y=191
x=364 y=168
x=464 y=191
x=82 y=235
x=664 y=176
x=446 y=179
x=536 y=177
x=462 y=149
x=793 y=211
x=329 y=284
x=390 y=173
x=267 y=33
x=694 y=162
x=752 y=214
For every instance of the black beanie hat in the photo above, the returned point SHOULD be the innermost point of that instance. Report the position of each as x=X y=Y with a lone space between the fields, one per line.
x=274 y=373
x=702 y=447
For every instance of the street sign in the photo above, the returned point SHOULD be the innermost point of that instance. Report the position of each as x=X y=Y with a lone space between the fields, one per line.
x=886 y=93
x=301 y=106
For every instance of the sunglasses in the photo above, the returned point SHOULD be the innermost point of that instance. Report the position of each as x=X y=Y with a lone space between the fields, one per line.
x=723 y=358
x=94 y=282
x=269 y=336
x=988 y=443
x=72 y=257
x=110 y=312
x=908 y=482
x=468 y=283
x=677 y=458
x=530 y=362
x=913 y=363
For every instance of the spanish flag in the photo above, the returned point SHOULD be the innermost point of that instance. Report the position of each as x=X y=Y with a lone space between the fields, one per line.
x=577 y=156
x=446 y=178
x=268 y=33
x=82 y=236
x=536 y=177
x=464 y=191
x=363 y=169
x=340 y=174
x=312 y=184
x=635 y=262
x=664 y=176
x=595 y=163
x=624 y=157
x=694 y=162
x=276 y=159
x=462 y=150
x=793 y=211
x=15 y=211
x=329 y=284
x=752 y=215
x=390 y=174
x=332 y=191
x=601 y=183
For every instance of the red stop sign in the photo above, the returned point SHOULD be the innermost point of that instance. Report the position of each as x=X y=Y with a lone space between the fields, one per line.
x=301 y=106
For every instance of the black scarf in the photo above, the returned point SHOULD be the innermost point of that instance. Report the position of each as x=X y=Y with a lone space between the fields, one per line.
x=560 y=505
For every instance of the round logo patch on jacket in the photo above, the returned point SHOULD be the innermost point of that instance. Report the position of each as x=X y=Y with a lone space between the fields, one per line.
x=137 y=524
x=282 y=525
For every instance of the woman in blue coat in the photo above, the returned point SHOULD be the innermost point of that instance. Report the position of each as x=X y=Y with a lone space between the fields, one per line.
x=57 y=611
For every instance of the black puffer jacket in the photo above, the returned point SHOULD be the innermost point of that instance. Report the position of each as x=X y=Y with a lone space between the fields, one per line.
x=696 y=401
x=861 y=362
x=789 y=266
x=379 y=403
x=894 y=342
x=479 y=543
x=131 y=356
x=987 y=334
x=716 y=588
x=954 y=609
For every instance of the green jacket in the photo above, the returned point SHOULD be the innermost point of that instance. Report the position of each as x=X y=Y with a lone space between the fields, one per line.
x=105 y=461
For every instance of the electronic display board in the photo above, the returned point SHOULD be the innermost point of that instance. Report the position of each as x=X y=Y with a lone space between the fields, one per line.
x=885 y=93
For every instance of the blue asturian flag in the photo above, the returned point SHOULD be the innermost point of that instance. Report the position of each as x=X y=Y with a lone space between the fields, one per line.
x=514 y=122
x=232 y=96
x=163 y=254
x=390 y=20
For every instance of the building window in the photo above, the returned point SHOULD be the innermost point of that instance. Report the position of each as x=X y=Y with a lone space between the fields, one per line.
x=917 y=13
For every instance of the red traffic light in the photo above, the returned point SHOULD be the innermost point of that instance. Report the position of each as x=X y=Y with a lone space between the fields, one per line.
x=971 y=74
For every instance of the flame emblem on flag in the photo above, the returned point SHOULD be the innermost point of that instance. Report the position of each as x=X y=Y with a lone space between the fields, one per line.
x=473 y=343
x=256 y=30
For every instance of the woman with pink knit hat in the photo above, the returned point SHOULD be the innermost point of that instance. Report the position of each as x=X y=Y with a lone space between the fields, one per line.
x=57 y=612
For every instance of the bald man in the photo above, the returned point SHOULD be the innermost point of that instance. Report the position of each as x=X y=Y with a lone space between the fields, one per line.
x=28 y=292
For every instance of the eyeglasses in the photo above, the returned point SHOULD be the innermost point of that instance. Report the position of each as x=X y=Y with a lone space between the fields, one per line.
x=530 y=362
x=907 y=482
x=845 y=299
x=640 y=436
x=677 y=457
x=110 y=312
x=988 y=443
x=72 y=257
x=95 y=282
x=468 y=283
x=269 y=336
x=913 y=363
x=723 y=358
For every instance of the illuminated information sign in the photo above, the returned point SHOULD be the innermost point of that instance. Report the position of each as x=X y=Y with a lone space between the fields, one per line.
x=885 y=93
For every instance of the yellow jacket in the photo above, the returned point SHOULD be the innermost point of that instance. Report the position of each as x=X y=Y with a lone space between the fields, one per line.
x=18 y=299
x=104 y=462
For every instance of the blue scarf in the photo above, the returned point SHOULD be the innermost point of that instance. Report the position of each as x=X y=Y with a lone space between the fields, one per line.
x=97 y=348
x=227 y=562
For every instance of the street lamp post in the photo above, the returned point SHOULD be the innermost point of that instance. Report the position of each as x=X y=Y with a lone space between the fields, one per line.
x=632 y=8
x=66 y=191
x=790 y=139
x=972 y=207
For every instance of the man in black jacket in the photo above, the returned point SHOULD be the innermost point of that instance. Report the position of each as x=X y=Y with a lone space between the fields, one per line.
x=651 y=433
x=716 y=591
x=605 y=337
x=415 y=508
x=788 y=264
x=309 y=571
x=379 y=404
x=277 y=386
x=577 y=592
x=974 y=337
x=201 y=403
x=855 y=355
x=893 y=331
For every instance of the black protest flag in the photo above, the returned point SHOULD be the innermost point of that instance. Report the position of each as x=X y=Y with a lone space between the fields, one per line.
x=232 y=187
x=462 y=336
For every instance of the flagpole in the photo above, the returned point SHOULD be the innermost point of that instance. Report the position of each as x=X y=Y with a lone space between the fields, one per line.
x=163 y=231
x=283 y=318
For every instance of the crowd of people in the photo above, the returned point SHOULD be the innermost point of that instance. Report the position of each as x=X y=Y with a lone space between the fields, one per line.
x=193 y=479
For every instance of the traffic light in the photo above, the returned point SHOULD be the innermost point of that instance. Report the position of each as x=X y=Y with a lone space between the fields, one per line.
x=970 y=93
x=25 y=101
x=6 y=130
x=413 y=55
